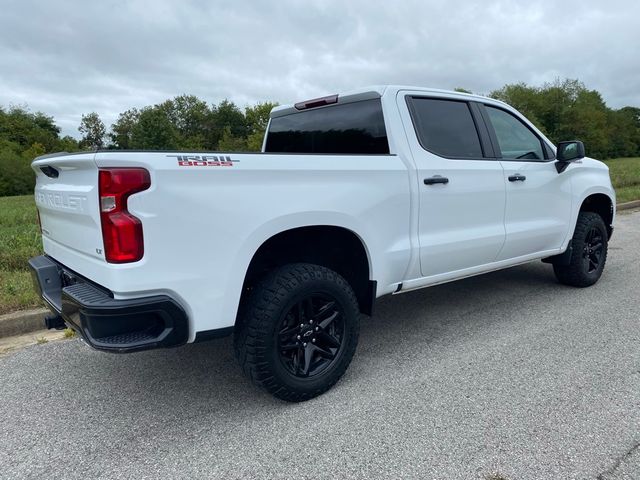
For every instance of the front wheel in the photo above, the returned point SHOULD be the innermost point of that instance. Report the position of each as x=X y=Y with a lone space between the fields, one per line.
x=589 y=254
x=297 y=331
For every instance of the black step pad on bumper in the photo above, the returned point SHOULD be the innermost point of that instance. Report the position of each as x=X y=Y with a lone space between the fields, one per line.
x=104 y=322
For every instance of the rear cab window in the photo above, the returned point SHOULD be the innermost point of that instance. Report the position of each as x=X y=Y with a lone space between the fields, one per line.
x=349 y=128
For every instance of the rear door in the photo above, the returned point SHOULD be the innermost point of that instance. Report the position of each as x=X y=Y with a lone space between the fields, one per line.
x=538 y=208
x=67 y=199
x=461 y=185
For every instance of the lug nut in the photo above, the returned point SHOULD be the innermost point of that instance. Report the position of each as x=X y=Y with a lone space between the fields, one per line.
x=304 y=344
x=311 y=322
x=317 y=329
x=298 y=337
x=313 y=340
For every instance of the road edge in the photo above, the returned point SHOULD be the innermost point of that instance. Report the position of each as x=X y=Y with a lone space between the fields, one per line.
x=628 y=205
x=21 y=322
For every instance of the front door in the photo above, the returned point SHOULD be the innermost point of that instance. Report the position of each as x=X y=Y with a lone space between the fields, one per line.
x=538 y=208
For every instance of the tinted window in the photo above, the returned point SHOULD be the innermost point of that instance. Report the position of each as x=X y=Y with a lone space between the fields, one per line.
x=349 y=128
x=514 y=137
x=445 y=127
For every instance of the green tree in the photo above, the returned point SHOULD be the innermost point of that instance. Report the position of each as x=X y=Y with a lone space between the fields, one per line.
x=229 y=115
x=525 y=99
x=23 y=136
x=16 y=176
x=67 y=144
x=257 y=118
x=93 y=131
x=566 y=110
x=586 y=119
x=231 y=143
x=624 y=132
x=121 y=135
x=154 y=130
x=193 y=120
x=24 y=128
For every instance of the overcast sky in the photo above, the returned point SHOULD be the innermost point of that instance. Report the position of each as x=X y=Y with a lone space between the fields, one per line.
x=67 y=58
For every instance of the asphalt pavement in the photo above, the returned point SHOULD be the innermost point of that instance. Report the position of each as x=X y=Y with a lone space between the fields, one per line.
x=507 y=375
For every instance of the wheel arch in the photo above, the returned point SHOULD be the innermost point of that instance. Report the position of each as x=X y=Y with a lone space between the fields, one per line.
x=335 y=247
x=603 y=205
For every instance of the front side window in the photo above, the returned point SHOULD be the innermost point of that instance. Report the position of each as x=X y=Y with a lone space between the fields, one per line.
x=445 y=127
x=516 y=141
x=349 y=128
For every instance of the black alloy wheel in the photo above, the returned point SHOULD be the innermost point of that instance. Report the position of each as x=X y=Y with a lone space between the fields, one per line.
x=297 y=331
x=589 y=252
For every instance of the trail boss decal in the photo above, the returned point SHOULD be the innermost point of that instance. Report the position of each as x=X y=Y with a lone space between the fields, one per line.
x=204 y=160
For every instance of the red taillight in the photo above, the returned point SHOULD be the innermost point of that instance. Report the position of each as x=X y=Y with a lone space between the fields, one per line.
x=121 y=231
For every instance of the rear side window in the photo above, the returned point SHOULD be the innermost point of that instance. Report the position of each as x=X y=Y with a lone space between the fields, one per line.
x=445 y=127
x=356 y=127
x=516 y=141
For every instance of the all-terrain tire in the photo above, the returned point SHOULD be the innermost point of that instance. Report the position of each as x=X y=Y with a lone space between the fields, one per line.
x=272 y=311
x=589 y=254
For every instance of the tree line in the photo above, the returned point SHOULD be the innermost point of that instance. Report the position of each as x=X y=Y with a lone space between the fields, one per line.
x=567 y=110
x=181 y=123
x=563 y=110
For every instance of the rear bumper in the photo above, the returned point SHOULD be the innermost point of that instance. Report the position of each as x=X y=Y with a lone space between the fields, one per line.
x=106 y=323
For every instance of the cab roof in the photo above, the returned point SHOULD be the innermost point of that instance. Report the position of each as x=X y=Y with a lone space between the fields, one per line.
x=370 y=92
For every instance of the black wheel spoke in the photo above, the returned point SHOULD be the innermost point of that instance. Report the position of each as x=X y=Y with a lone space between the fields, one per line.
x=325 y=353
x=327 y=321
x=327 y=308
x=297 y=360
x=307 y=356
x=288 y=331
x=589 y=236
x=329 y=340
x=311 y=335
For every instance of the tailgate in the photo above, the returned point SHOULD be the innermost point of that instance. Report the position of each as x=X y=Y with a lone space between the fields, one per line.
x=66 y=195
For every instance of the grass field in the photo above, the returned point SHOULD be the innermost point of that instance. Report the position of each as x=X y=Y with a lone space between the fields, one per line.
x=20 y=236
x=19 y=241
x=625 y=176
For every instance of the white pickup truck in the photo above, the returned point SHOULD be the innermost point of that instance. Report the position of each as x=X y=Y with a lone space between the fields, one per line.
x=373 y=192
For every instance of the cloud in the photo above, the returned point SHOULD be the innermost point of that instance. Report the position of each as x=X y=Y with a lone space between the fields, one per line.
x=73 y=57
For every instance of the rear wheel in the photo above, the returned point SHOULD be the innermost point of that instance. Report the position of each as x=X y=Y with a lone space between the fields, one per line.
x=589 y=254
x=297 y=331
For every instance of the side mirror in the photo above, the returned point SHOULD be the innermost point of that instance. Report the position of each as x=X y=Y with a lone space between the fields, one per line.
x=568 y=152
